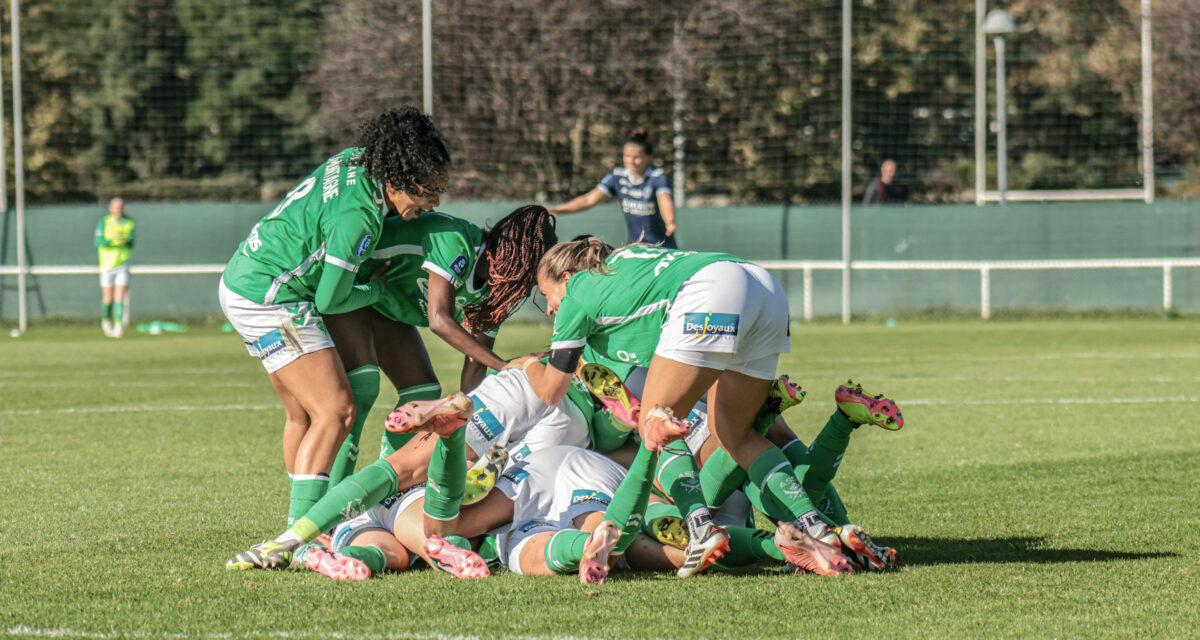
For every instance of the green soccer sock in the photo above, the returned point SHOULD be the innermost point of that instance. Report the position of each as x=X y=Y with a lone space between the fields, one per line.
x=371 y=556
x=825 y=453
x=831 y=505
x=351 y=497
x=606 y=433
x=564 y=551
x=118 y=312
x=307 y=489
x=106 y=311
x=750 y=546
x=628 y=507
x=458 y=541
x=392 y=441
x=719 y=478
x=447 y=476
x=773 y=476
x=364 y=384
x=489 y=550
x=658 y=510
x=678 y=474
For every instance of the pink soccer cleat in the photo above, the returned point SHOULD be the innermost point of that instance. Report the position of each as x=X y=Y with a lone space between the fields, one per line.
x=607 y=387
x=442 y=416
x=456 y=561
x=593 y=568
x=337 y=566
x=809 y=553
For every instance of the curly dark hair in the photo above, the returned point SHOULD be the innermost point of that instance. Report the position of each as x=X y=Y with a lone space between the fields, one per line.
x=514 y=247
x=402 y=148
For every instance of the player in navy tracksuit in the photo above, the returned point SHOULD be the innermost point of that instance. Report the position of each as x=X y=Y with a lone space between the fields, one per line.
x=643 y=191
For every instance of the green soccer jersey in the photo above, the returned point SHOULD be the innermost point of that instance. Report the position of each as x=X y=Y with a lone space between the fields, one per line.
x=434 y=243
x=331 y=220
x=619 y=314
x=114 y=241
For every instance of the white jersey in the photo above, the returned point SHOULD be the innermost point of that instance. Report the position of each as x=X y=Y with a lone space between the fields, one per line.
x=509 y=413
x=549 y=489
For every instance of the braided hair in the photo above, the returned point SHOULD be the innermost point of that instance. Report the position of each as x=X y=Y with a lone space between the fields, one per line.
x=403 y=149
x=515 y=246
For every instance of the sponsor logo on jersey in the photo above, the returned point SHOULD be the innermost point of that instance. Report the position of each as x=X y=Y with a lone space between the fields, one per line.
x=485 y=424
x=583 y=496
x=399 y=495
x=522 y=453
x=459 y=265
x=363 y=245
x=516 y=473
x=269 y=344
x=710 y=324
x=533 y=524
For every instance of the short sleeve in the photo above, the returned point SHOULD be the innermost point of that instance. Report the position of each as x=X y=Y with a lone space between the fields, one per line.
x=448 y=254
x=571 y=325
x=662 y=183
x=350 y=236
x=610 y=185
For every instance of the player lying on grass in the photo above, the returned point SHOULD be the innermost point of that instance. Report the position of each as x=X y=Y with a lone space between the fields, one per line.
x=700 y=321
x=446 y=274
x=505 y=413
x=300 y=262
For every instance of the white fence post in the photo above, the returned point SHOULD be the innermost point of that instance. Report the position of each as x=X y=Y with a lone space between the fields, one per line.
x=1167 y=293
x=985 y=292
x=808 y=293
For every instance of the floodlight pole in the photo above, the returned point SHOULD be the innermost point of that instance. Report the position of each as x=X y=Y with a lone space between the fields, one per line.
x=679 y=140
x=847 y=6
x=1001 y=124
x=427 y=54
x=1147 y=103
x=980 y=103
x=19 y=169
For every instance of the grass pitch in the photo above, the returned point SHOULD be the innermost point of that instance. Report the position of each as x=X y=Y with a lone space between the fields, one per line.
x=1046 y=484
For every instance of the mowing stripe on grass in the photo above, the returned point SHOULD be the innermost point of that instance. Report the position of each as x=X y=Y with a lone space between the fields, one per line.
x=22 y=630
x=1002 y=401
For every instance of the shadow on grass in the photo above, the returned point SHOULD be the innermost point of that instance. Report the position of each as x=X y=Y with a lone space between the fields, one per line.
x=932 y=551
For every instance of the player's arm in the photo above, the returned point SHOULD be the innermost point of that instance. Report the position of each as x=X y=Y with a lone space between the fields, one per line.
x=98 y=238
x=548 y=381
x=441 y=322
x=474 y=371
x=337 y=292
x=132 y=234
x=666 y=206
x=581 y=203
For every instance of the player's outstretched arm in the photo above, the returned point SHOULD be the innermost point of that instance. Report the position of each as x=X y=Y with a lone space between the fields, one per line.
x=581 y=203
x=442 y=323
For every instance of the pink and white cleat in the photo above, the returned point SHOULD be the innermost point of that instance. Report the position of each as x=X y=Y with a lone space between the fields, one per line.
x=611 y=392
x=660 y=428
x=456 y=561
x=809 y=553
x=442 y=416
x=337 y=566
x=593 y=568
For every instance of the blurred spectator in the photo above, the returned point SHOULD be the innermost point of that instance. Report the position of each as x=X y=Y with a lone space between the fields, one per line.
x=883 y=188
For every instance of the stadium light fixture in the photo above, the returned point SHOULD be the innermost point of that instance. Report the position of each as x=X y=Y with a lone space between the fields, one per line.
x=997 y=24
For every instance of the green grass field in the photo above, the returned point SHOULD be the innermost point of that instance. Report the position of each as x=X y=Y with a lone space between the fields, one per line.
x=1046 y=484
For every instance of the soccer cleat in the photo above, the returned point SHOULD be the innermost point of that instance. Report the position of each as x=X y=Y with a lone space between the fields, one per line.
x=607 y=386
x=807 y=553
x=118 y=329
x=703 y=551
x=671 y=531
x=267 y=554
x=660 y=428
x=593 y=567
x=863 y=552
x=862 y=408
x=458 y=562
x=784 y=394
x=106 y=326
x=300 y=555
x=337 y=566
x=481 y=478
x=442 y=416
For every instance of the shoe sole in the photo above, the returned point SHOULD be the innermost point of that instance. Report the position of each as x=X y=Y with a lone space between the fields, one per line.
x=670 y=531
x=883 y=412
x=457 y=562
x=593 y=568
x=612 y=393
x=710 y=555
x=442 y=416
x=784 y=391
x=337 y=566
x=810 y=554
x=250 y=559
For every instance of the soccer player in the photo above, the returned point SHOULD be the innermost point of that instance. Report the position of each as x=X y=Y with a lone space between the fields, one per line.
x=700 y=321
x=644 y=193
x=114 y=242
x=446 y=274
x=300 y=262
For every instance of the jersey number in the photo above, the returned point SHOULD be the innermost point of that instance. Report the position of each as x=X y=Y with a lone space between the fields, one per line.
x=650 y=253
x=301 y=190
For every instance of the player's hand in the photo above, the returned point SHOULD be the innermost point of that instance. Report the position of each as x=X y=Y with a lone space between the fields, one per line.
x=670 y=228
x=378 y=274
